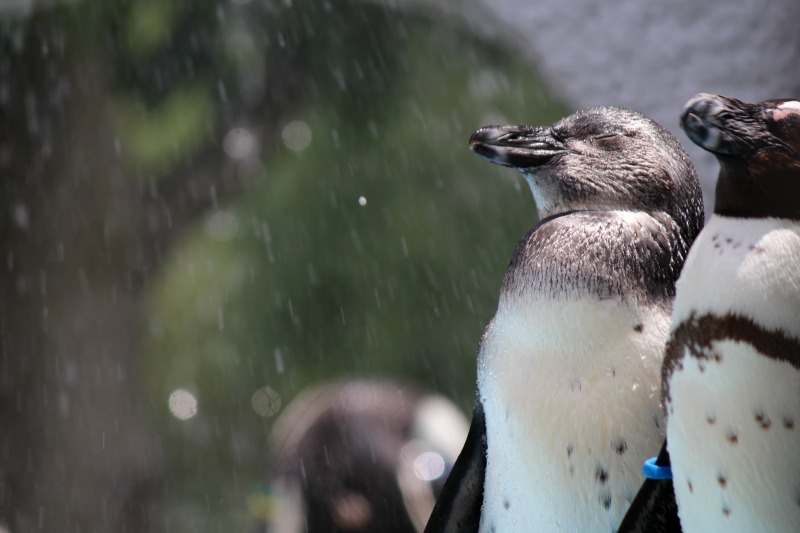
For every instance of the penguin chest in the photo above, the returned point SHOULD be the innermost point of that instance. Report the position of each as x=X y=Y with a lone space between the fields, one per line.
x=571 y=393
x=733 y=378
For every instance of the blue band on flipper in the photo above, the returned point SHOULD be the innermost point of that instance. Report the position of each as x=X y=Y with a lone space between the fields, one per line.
x=652 y=471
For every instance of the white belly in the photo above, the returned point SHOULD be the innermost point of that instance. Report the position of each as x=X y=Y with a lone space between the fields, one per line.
x=571 y=395
x=746 y=267
x=734 y=412
x=734 y=442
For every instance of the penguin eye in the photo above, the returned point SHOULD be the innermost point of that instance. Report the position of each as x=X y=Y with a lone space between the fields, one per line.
x=608 y=141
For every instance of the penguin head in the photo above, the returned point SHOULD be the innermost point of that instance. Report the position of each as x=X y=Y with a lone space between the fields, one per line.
x=605 y=158
x=758 y=148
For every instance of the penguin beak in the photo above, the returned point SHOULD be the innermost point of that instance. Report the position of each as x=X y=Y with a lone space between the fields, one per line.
x=725 y=126
x=516 y=146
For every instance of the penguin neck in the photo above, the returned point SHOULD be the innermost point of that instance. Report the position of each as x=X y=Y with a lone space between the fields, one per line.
x=754 y=191
x=600 y=254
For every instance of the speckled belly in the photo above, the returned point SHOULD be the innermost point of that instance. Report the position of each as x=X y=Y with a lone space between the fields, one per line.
x=571 y=395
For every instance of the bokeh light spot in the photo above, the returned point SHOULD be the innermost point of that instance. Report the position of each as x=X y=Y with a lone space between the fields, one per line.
x=265 y=401
x=429 y=466
x=296 y=136
x=182 y=404
x=238 y=143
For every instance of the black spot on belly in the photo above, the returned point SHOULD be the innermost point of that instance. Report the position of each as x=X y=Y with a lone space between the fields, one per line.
x=732 y=437
x=722 y=480
x=726 y=510
x=605 y=500
x=763 y=420
x=570 y=449
x=601 y=475
x=701 y=367
x=638 y=328
x=506 y=504
x=619 y=446
x=691 y=488
x=711 y=419
x=788 y=423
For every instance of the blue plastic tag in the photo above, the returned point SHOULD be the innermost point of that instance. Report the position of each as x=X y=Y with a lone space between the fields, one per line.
x=653 y=471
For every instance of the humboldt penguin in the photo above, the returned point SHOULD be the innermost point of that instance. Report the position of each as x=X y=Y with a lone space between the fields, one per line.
x=732 y=367
x=360 y=456
x=569 y=369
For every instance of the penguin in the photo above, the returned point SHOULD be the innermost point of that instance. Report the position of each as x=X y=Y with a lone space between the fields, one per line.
x=732 y=366
x=361 y=455
x=568 y=386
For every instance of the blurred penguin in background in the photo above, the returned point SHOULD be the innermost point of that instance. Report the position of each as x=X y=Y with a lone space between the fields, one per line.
x=361 y=456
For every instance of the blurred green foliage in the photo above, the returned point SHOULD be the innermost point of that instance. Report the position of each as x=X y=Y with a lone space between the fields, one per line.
x=161 y=137
x=148 y=25
x=377 y=250
x=306 y=284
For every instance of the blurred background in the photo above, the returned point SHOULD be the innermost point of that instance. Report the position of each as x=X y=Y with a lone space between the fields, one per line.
x=209 y=206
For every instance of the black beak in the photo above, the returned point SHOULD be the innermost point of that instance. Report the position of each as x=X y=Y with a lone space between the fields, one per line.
x=721 y=125
x=516 y=146
x=729 y=127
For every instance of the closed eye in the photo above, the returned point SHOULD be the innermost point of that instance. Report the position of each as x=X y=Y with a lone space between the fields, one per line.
x=512 y=137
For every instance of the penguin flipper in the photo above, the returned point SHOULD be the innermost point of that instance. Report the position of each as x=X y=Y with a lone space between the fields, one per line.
x=458 y=508
x=654 y=509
